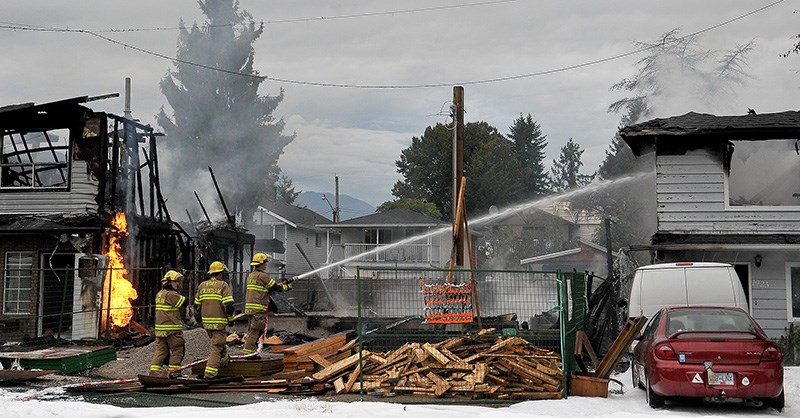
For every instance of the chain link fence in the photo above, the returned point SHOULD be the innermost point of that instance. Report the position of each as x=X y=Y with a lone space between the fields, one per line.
x=544 y=308
x=68 y=302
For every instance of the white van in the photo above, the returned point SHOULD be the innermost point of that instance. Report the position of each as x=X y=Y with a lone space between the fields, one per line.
x=681 y=284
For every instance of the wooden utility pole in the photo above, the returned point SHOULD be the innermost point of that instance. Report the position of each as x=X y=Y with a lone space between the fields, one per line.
x=609 y=255
x=458 y=166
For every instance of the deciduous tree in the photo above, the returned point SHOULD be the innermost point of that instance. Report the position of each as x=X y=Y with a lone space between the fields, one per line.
x=426 y=166
x=417 y=205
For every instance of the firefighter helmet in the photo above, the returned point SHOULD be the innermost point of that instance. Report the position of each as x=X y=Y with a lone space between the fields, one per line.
x=216 y=267
x=171 y=276
x=259 y=258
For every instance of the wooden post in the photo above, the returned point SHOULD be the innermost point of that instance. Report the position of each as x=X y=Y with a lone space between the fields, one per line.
x=231 y=220
x=458 y=169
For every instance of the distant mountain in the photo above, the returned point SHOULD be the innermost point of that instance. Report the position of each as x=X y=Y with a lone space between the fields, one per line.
x=350 y=207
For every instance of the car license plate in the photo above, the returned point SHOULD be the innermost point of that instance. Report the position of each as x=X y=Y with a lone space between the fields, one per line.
x=720 y=379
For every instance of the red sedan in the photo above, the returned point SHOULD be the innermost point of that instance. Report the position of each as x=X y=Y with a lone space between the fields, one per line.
x=715 y=353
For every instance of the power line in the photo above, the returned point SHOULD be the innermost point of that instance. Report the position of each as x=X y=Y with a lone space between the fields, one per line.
x=327 y=18
x=393 y=86
x=272 y=22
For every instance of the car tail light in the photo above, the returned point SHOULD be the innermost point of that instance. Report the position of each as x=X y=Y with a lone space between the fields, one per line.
x=665 y=352
x=771 y=354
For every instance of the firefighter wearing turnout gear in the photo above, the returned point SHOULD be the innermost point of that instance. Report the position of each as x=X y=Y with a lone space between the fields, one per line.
x=256 y=307
x=170 y=344
x=215 y=302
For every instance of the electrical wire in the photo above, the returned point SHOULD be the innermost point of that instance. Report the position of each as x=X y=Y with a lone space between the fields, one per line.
x=325 y=18
x=392 y=86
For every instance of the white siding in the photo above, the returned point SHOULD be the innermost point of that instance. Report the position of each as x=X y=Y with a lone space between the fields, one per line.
x=295 y=262
x=690 y=193
x=80 y=199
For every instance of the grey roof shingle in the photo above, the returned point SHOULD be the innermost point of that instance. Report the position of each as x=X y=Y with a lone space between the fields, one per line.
x=300 y=216
x=398 y=217
x=694 y=126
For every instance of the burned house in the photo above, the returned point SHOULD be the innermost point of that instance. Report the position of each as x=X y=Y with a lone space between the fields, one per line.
x=218 y=241
x=727 y=190
x=85 y=231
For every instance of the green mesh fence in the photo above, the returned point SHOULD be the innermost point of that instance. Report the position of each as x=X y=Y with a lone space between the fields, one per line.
x=396 y=306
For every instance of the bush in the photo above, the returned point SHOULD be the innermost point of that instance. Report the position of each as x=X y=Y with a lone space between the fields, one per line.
x=790 y=345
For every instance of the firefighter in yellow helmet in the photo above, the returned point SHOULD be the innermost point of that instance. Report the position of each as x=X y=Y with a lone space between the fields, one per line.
x=170 y=344
x=215 y=302
x=256 y=304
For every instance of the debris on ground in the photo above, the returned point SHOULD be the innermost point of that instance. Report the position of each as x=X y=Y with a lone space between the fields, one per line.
x=481 y=366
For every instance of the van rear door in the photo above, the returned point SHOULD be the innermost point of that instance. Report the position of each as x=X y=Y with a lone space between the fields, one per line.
x=713 y=286
x=660 y=288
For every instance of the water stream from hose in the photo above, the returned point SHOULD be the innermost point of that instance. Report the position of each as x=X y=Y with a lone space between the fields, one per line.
x=537 y=203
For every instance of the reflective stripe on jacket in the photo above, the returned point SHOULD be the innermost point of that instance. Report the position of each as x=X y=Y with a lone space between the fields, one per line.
x=256 y=299
x=168 y=315
x=212 y=296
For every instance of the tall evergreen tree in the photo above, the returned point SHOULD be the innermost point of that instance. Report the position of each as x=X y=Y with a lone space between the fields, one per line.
x=620 y=160
x=529 y=144
x=565 y=172
x=219 y=120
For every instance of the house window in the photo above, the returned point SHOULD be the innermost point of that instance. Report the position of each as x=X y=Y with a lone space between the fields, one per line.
x=793 y=291
x=377 y=236
x=764 y=173
x=35 y=160
x=318 y=239
x=17 y=282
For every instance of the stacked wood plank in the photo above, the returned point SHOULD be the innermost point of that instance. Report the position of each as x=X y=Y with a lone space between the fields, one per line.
x=313 y=354
x=268 y=364
x=481 y=366
x=621 y=345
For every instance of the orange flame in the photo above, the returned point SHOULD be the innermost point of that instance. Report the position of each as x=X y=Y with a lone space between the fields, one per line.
x=118 y=292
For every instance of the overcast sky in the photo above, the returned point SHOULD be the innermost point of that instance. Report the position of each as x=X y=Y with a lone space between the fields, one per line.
x=358 y=133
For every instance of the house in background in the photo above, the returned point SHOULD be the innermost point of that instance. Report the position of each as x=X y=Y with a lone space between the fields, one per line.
x=530 y=232
x=585 y=257
x=386 y=239
x=585 y=222
x=727 y=190
x=292 y=235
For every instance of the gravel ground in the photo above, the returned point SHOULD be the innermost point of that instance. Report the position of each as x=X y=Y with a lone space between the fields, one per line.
x=134 y=361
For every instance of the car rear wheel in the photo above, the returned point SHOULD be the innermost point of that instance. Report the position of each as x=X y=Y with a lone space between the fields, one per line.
x=654 y=400
x=776 y=402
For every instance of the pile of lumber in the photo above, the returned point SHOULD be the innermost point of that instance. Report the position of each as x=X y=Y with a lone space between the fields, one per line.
x=318 y=353
x=475 y=367
x=268 y=364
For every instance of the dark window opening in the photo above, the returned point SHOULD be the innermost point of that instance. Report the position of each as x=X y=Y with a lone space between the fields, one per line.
x=764 y=173
x=35 y=160
x=377 y=236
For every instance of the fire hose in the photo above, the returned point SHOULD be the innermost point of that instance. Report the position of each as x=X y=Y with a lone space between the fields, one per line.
x=118 y=381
